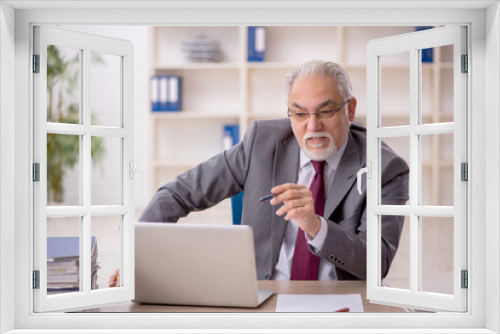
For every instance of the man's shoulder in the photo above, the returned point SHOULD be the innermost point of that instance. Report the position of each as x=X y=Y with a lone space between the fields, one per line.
x=276 y=124
x=275 y=128
x=358 y=138
x=358 y=133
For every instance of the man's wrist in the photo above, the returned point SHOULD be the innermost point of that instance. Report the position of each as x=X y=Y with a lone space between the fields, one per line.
x=315 y=229
x=318 y=241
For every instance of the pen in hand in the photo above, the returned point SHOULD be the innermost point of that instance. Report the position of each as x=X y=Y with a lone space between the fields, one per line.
x=265 y=198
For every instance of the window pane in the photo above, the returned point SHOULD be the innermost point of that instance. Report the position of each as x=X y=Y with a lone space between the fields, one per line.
x=427 y=88
x=400 y=145
x=437 y=85
x=106 y=255
x=63 y=169
x=395 y=89
x=106 y=171
x=399 y=274
x=63 y=84
x=446 y=84
x=437 y=169
x=105 y=89
x=63 y=255
x=437 y=254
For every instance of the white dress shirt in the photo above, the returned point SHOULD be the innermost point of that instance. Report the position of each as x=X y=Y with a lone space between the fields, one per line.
x=306 y=175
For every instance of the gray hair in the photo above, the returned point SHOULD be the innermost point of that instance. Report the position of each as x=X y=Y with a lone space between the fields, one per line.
x=321 y=68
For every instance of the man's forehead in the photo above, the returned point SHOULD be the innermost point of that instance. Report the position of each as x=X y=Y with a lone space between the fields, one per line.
x=324 y=103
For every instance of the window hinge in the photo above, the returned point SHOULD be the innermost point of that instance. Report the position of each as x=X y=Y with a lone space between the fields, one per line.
x=465 y=64
x=36 y=63
x=464 y=171
x=36 y=172
x=465 y=279
x=36 y=279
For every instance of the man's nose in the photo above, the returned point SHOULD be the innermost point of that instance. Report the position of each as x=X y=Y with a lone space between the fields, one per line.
x=313 y=123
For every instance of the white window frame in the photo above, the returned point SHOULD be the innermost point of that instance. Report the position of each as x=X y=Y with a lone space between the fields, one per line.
x=86 y=44
x=484 y=104
x=412 y=43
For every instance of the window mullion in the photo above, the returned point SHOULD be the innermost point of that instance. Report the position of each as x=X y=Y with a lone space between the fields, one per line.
x=415 y=102
x=460 y=100
x=85 y=266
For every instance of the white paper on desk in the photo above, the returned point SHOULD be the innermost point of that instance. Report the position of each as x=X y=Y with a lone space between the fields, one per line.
x=318 y=303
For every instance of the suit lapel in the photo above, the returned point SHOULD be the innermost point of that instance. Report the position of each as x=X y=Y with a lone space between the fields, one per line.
x=286 y=170
x=286 y=162
x=345 y=176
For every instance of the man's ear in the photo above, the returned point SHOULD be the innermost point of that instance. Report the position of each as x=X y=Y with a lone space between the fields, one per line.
x=352 y=108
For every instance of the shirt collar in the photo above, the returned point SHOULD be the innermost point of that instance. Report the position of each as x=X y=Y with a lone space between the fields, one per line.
x=332 y=161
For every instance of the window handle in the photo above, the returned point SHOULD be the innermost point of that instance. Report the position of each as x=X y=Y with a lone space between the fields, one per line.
x=133 y=170
x=362 y=171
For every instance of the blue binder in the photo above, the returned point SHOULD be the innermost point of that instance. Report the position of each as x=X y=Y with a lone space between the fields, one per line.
x=256 y=44
x=163 y=93
x=251 y=43
x=155 y=93
x=260 y=43
x=64 y=247
x=234 y=131
x=174 y=94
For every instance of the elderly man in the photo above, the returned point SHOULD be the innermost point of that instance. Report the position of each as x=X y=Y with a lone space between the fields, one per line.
x=314 y=227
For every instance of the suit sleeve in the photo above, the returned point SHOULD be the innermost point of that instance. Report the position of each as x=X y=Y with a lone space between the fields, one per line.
x=345 y=244
x=204 y=186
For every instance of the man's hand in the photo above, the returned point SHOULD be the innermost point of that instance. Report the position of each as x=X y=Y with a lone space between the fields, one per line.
x=114 y=280
x=298 y=204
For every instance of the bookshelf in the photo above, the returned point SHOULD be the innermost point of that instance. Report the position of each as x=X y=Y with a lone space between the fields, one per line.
x=235 y=91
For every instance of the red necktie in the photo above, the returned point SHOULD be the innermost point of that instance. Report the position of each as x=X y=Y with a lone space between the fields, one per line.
x=305 y=264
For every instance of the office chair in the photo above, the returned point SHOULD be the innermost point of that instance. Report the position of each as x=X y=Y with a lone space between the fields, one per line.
x=236 y=208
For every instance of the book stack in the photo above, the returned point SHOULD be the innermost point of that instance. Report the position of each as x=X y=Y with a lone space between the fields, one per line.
x=256 y=44
x=63 y=264
x=201 y=50
x=166 y=93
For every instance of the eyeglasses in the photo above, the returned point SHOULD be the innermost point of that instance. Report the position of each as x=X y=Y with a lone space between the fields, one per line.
x=324 y=114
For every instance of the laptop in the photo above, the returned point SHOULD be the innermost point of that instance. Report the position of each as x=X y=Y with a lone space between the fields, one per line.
x=206 y=265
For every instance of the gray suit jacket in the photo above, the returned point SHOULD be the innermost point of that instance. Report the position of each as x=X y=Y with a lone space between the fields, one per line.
x=269 y=156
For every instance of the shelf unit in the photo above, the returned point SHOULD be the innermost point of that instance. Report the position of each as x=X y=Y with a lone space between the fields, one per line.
x=238 y=92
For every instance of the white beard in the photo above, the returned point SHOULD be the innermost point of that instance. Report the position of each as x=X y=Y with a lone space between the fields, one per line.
x=322 y=154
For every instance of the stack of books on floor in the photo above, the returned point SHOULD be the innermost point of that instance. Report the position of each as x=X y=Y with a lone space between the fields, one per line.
x=63 y=264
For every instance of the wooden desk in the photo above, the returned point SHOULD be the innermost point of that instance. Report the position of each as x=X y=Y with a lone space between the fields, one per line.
x=279 y=287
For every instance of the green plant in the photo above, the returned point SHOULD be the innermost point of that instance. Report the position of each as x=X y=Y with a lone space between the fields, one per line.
x=63 y=150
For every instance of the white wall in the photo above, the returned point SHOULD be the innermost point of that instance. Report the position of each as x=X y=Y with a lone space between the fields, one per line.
x=7 y=168
x=492 y=162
